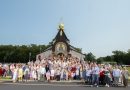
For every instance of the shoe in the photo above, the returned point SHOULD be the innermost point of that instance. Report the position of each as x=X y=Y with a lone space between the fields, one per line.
x=106 y=85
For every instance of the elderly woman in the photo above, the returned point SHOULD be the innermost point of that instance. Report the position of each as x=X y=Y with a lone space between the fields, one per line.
x=125 y=75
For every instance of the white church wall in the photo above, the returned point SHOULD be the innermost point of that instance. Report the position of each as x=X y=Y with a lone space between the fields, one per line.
x=44 y=54
x=78 y=55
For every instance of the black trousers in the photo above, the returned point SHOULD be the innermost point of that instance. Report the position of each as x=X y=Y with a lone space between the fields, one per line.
x=58 y=77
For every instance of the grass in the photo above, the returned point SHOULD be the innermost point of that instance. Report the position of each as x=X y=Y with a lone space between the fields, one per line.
x=5 y=78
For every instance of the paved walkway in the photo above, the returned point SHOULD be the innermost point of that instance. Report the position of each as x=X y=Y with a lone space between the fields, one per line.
x=38 y=86
x=52 y=83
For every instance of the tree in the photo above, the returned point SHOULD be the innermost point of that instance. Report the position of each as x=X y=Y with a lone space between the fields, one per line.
x=10 y=53
x=100 y=60
x=119 y=56
x=90 y=57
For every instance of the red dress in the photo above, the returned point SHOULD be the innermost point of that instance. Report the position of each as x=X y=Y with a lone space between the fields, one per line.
x=1 y=72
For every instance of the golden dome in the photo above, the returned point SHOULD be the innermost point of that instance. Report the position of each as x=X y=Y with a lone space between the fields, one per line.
x=61 y=26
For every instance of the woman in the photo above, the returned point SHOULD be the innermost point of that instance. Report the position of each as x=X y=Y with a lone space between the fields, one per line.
x=52 y=73
x=0 y=71
x=20 y=74
x=34 y=75
x=125 y=75
x=26 y=74
x=48 y=75
x=15 y=74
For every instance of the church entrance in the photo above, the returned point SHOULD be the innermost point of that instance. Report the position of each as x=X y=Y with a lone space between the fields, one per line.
x=60 y=54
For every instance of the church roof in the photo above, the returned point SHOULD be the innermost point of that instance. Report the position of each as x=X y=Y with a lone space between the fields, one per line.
x=61 y=36
x=74 y=49
x=49 y=48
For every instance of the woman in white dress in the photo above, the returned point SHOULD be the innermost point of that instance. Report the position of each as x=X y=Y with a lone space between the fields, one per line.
x=15 y=74
x=48 y=76
x=34 y=74
x=52 y=73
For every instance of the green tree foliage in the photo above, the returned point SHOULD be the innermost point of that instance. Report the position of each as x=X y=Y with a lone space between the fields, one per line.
x=10 y=53
x=79 y=50
x=90 y=57
x=20 y=53
x=118 y=56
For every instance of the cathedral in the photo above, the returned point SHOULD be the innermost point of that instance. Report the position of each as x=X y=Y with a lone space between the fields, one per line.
x=61 y=46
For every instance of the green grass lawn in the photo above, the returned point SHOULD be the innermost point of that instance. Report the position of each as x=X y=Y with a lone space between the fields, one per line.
x=5 y=78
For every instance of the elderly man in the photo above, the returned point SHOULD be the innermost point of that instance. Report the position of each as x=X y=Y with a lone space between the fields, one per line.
x=116 y=75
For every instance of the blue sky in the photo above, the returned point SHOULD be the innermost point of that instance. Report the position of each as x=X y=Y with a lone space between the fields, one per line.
x=97 y=26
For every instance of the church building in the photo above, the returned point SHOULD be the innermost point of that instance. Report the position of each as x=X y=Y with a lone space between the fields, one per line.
x=61 y=46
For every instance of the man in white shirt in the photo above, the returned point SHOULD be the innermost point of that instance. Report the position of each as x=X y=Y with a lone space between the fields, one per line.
x=116 y=74
x=95 y=75
x=88 y=75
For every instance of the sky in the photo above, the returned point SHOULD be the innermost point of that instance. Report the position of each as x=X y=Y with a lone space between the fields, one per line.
x=97 y=26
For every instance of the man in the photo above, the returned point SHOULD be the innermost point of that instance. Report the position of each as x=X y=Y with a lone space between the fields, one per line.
x=107 y=77
x=58 y=73
x=116 y=75
x=95 y=75
x=88 y=75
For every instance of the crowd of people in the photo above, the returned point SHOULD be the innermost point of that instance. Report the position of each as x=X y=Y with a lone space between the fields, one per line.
x=66 y=68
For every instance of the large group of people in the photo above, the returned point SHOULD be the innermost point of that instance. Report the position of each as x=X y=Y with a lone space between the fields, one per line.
x=66 y=68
